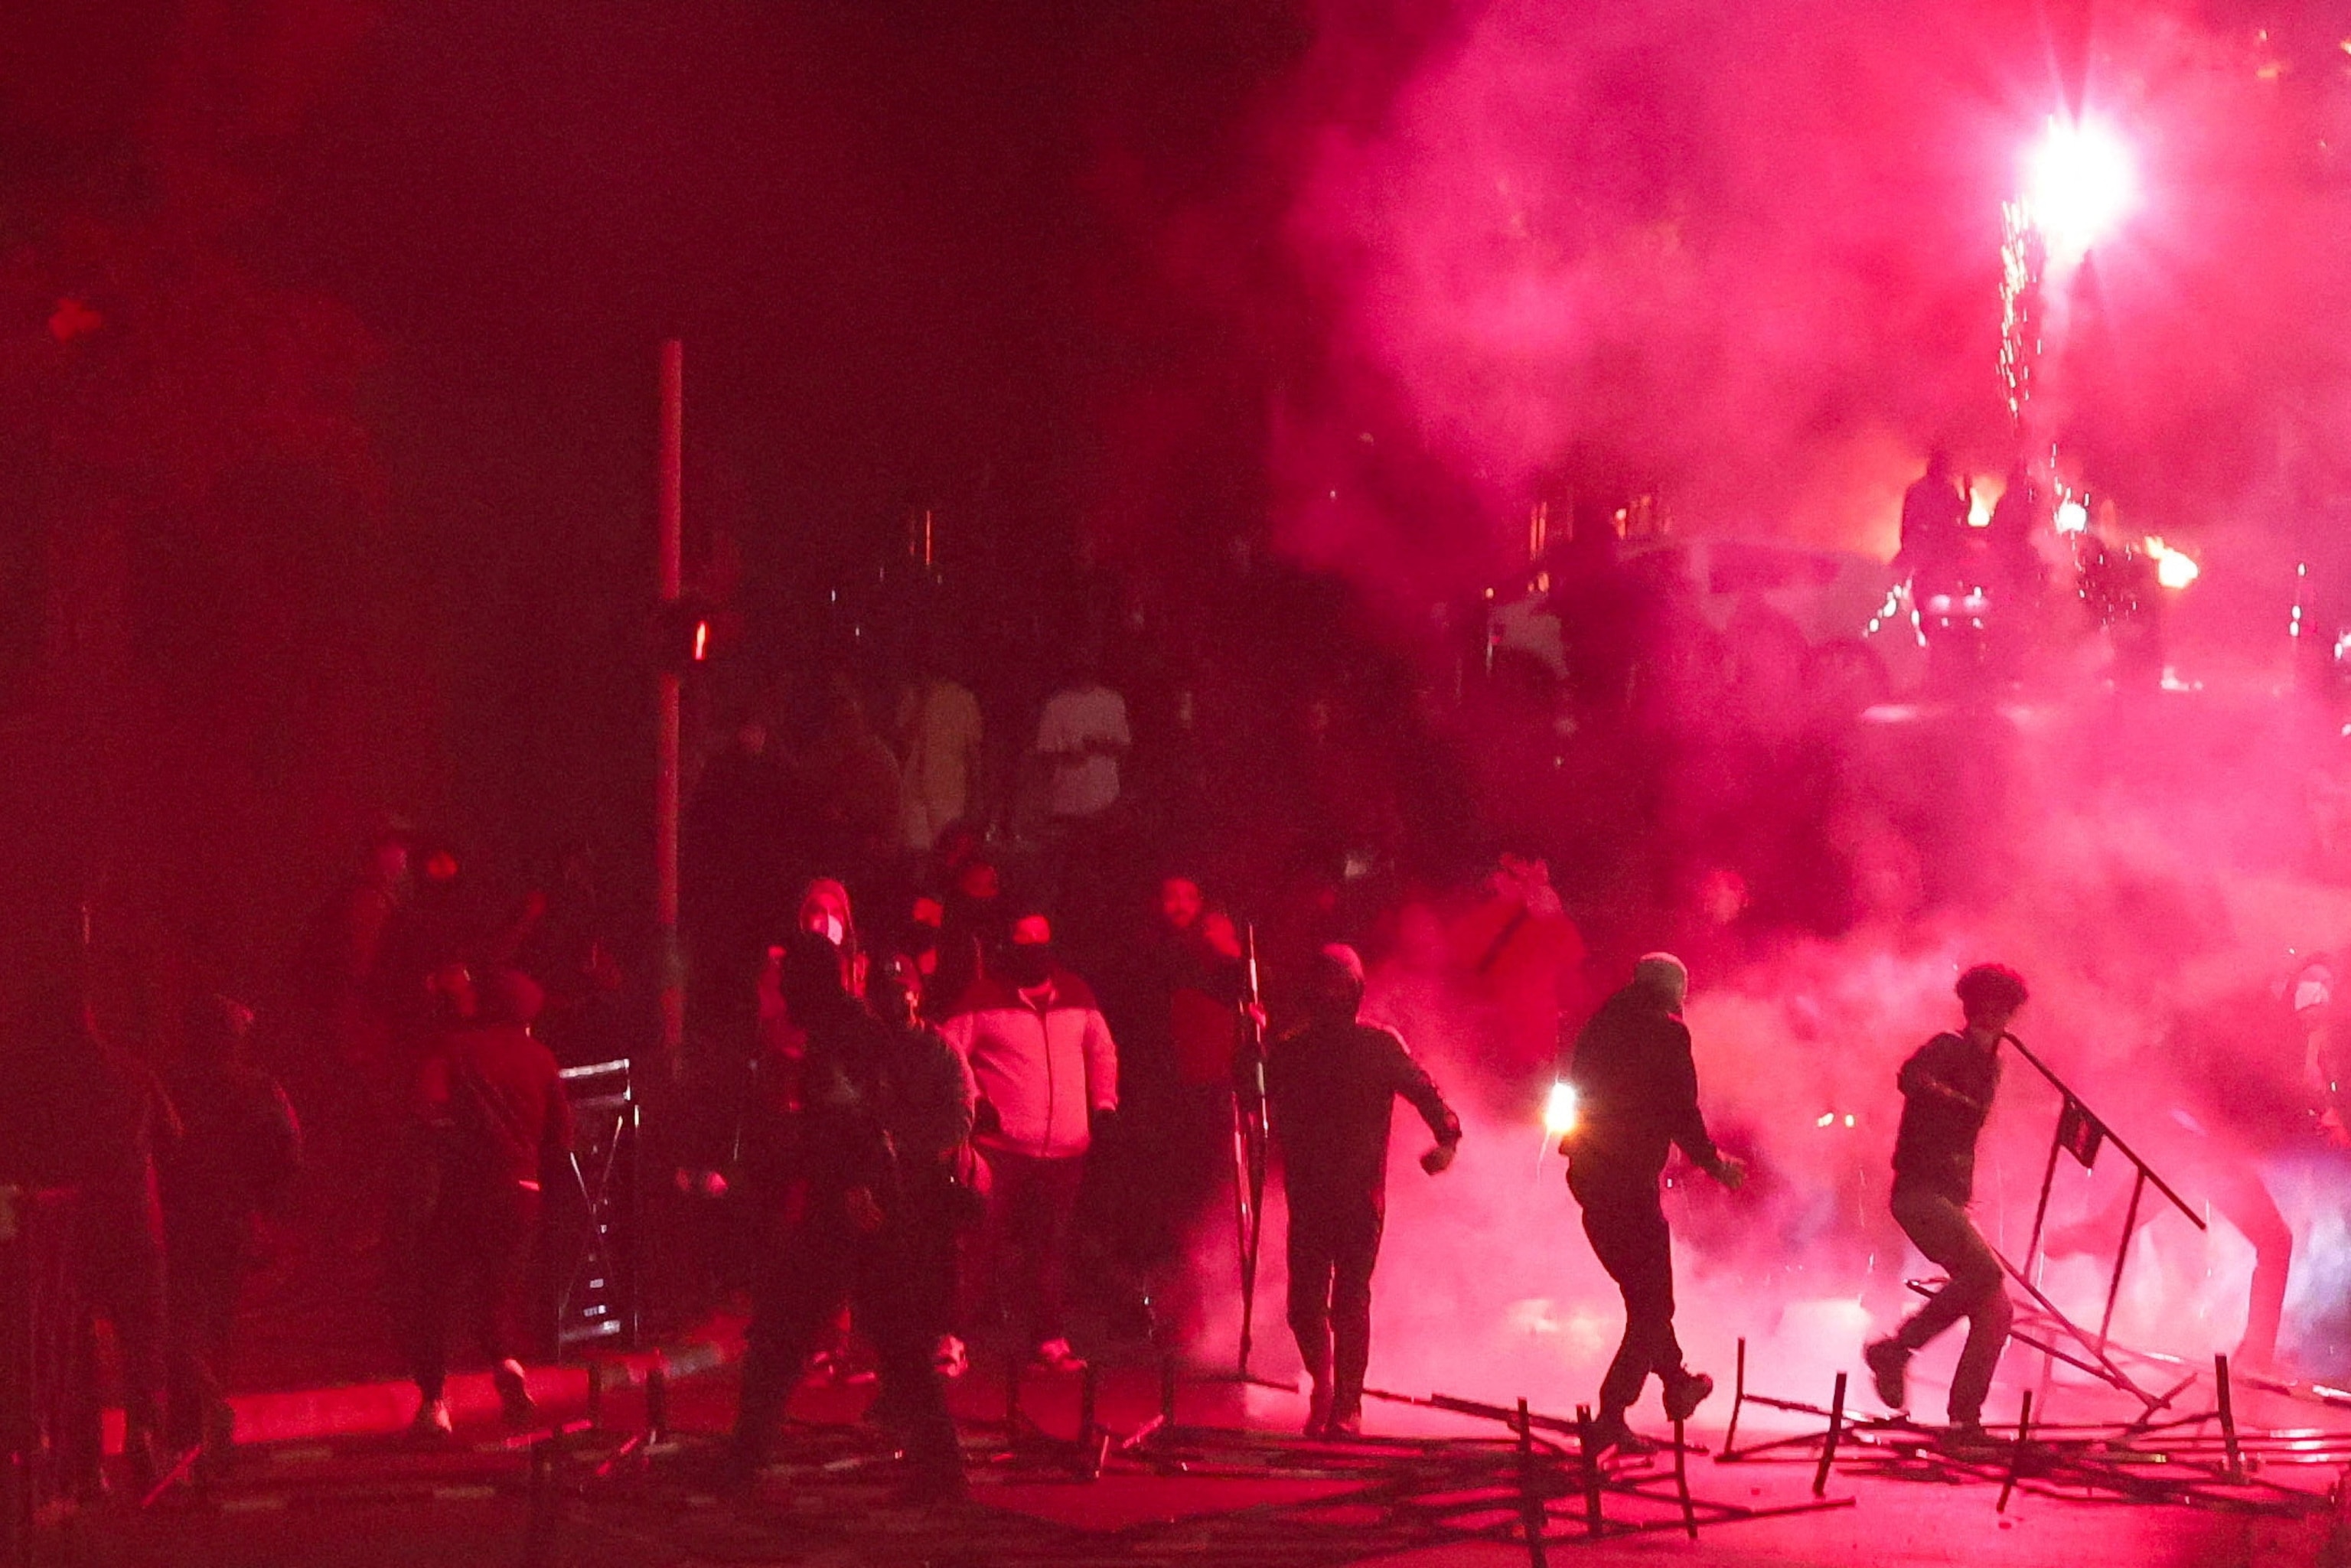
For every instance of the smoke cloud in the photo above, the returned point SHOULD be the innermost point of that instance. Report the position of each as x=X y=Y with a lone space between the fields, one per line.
x=1750 y=260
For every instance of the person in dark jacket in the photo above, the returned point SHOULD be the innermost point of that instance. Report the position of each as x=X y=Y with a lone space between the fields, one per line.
x=239 y=1148
x=1947 y=1092
x=1636 y=1096
x=1334 y=1083
x=873 y=1102
x=492 y=1103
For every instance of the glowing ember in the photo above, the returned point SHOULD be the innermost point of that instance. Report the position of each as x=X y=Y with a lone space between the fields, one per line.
x=1979 y=510
x=2172 y=568
x=2020 y=334
x=1559 y=1110
x=2079 y=185
x=2073 y=518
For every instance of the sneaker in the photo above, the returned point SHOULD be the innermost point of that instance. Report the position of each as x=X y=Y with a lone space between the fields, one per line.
x=431 y=1424
x=1969 y=1440
x=1610 y=1432
x=950 y=1356
x=1685 y=1393
x=1889 y=1364
x=514 y=1394
x=1318 y=1411
x=1055 y=1355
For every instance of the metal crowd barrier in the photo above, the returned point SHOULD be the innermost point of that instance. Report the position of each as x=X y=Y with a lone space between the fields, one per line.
x=598 y=1268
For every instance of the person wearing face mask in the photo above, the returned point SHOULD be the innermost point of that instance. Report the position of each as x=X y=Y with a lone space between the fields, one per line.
x=1046 y=1071
x=1636 y=1096
x=1333 y=1082
x=824 y=911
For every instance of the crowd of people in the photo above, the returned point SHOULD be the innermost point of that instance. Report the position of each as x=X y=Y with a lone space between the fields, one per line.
x=966 y=1009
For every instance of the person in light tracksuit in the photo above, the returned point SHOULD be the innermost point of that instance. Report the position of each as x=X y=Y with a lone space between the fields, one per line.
x=1046 y=1071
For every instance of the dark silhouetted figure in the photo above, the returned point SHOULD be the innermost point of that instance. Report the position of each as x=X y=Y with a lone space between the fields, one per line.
x=1334 y=1083
x=1636 y=1097
x=239 y=1148
x=1934 y=524
x=1947 y=1092
x=497 y=1125
x=863 y=1086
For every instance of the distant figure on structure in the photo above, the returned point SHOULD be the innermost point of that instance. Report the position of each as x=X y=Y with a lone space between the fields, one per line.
x=1947 y=1092
x=1934 y=524
x=1637 y=1095
x=1334 y=1083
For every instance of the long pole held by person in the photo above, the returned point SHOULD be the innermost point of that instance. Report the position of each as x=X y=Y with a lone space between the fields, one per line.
x=1251 y=1130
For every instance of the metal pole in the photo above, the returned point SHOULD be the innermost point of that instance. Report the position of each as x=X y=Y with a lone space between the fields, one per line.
x=2016 y=1455
x=1829 y=1443
x=1588 y=1452
x=1533 y=1513
x=2122 y=1256
x=669 y=580
x=2228 y=1413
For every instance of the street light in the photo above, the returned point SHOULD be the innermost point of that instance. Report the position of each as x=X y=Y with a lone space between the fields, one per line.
x=2079 y=185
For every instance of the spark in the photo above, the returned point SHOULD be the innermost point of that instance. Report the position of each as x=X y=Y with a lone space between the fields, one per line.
x=2073 y=518
x=2020 y=282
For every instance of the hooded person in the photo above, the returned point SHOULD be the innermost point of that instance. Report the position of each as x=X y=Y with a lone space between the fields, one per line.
x=1334 y=1083
x=1636 y=1098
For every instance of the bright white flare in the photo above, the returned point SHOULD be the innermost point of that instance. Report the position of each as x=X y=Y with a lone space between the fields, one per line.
x=2172 y=568
x=1559 y=1110
x=2079 y=186
x=2072 y=517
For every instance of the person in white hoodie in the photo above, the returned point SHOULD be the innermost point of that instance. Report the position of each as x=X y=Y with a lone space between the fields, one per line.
x=1047 y=1073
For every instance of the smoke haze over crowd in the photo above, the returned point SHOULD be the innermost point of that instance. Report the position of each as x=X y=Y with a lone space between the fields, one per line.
x=1751 y=260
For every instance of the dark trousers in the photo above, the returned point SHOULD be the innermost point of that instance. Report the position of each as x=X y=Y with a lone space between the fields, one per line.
x=1334 y=1247
x=1977 y=1290
x=1021 y=1259
x=475 y=1247
x=1627 y=1227
x=933 y=1210
x=205 y=1258
x=821 y=1264
x=123 y=1284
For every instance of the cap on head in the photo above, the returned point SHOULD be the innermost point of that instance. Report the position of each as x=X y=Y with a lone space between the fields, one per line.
x=1990 y=988
x=1664 y=977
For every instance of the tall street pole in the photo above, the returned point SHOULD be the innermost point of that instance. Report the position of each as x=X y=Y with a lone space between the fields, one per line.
x=666 y=768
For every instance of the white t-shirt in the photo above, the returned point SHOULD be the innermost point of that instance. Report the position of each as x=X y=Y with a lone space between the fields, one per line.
x=1084 y=785
x=938 y=725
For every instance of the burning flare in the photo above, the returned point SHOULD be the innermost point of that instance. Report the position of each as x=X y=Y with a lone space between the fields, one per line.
x=1559 y=1110
x=2173 y=569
